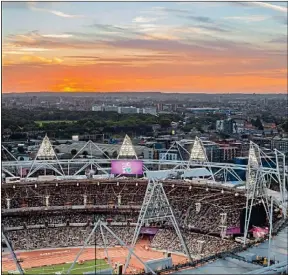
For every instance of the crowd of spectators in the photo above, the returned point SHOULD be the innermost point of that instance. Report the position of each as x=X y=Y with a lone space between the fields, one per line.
x=182 y=197
x=62 y=218
x=34 y=195
x=208 y=217
x=65 y=236
x=74 y=236
x=166 y=239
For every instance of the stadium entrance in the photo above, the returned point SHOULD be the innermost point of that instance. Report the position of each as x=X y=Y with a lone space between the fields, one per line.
x=146 y=236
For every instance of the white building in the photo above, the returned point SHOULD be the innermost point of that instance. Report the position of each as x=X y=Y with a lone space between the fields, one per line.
x=128 y=110
x=151 y=111
x=97 y=108
x=112 y=108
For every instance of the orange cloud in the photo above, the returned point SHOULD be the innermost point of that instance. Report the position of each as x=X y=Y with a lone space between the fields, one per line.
x=111 y=79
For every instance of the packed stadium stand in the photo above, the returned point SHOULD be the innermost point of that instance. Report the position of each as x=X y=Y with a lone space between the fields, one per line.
x=31 y=224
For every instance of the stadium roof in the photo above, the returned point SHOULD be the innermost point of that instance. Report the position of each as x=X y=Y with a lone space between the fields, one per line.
x=110 y=148
x=196 y=173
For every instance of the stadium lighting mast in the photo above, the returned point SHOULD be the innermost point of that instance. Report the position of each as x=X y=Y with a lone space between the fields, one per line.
x=155 y=207
x=45 y=153
x=198 y=156
x=127 y=149
x=255 y=186
x=281 y=174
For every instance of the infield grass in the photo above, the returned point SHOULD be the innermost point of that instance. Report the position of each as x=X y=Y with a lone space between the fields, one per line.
x=87 y=266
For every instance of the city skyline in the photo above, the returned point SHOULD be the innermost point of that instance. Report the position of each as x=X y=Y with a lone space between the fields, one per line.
x=144 y=46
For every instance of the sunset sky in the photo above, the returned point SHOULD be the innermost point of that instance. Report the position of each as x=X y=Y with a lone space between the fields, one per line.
x=156 y=46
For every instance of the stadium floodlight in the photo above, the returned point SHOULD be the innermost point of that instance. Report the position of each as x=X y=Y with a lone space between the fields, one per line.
x=155 y=208
x=256 y=188
x=46 y=150
x=198 y=156
x=44 y=159
x=127 y=149
x=198 y=152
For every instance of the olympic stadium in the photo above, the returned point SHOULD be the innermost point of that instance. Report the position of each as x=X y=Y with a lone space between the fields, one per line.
x=128 y=215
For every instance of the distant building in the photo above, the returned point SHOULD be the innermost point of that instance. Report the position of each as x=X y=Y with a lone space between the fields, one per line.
x=112 y=108
x=204 y=110
x=171 y=155
x=151 y=111
x=239 y=125
x=226 y=126
x=263 y=142
x=228 y=153
x=97 y=108
x=128 y=110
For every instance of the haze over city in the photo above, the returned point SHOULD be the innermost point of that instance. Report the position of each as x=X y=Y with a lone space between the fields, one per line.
x=165 y=47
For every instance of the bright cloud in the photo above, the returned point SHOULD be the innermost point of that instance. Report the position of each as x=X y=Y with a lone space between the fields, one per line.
x=248 y=19
x=271 y=6
x=141 y=19
x=57 y=35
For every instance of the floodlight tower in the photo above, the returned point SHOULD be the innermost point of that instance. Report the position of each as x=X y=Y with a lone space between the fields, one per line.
x=127 y=149
x=255 y=185
x=47 y=154
x=281 y=175
x=155 y=207
x=198 y=156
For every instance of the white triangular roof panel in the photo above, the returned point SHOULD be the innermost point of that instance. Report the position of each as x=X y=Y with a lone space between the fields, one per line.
x=46 y=150
x=198 y=152
x=254 y=160
x=127 y=149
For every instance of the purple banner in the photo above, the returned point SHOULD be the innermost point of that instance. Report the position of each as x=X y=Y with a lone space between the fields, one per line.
x=126 y=167
x=148 y=230
x=233 y=230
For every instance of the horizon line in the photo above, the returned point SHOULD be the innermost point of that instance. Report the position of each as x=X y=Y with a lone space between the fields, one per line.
x=159 y=92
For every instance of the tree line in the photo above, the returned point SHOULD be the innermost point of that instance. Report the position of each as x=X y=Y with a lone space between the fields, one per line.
x=63 y=124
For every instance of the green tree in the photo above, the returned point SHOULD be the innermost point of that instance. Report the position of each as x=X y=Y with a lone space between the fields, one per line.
x=165 y=122
x=257 y=123
x=284 y=126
